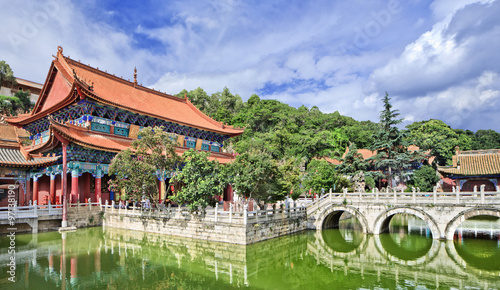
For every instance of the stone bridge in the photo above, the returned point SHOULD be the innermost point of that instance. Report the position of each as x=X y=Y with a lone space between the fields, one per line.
x=443 y=212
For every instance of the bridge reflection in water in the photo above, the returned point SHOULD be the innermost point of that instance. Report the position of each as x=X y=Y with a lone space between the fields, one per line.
x=340 y=258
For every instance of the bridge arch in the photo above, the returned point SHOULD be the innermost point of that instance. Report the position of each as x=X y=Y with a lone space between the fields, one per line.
x=384 y=218
x=331 y=215
x=466 y=214
x=421 y=257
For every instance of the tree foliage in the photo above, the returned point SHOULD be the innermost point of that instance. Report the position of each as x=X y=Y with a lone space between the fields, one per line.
x=19 y=103
x=255 y=174
x=137 y=169
x=303 y=133
x=424 y=178
x=201 y=181
x=353 y=162
x=6 y=74
x=390 y=144
x=321 y=177
x=436 y=136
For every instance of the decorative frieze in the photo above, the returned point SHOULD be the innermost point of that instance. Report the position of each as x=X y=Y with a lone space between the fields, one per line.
x=86 y=110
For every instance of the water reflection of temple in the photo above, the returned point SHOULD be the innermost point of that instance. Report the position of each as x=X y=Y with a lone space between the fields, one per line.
x=97 y=258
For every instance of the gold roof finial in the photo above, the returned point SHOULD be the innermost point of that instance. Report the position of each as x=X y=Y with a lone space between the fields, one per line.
x=135 y=77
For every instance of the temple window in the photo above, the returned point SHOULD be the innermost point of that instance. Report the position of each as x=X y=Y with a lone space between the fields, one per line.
x=215 y=147
x=121 y=131
x=100 y=127
x=190 y=142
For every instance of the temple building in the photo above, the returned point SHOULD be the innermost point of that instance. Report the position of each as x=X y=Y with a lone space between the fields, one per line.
x=16 y=164
x=33 y=88
x=85 y=116
x=472 y=169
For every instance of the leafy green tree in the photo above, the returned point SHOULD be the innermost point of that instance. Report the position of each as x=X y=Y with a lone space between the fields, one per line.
x=353 y=162
x=255 y=174
x=424 y=178
x=199 y=98
x=486 y=139
x=10 y=105
x=391 y=144
x=290 y=176
x=6 y=74
x=136 y=168
x=201 y=181
x=24 y=99
x=436 y=136
x=321 y=176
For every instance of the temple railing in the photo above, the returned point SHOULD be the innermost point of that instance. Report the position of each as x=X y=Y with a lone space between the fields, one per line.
x=40 y=211
x=212 y=214
x=415 y=197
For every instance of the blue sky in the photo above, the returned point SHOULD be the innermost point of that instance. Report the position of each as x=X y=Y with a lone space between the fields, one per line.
x=436 y=59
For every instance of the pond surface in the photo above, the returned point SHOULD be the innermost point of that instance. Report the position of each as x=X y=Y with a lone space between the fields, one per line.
x=405 y=258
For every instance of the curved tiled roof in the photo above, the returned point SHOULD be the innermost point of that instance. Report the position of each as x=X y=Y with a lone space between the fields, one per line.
x=11 y=157
x=112 y=90
x=470 y=163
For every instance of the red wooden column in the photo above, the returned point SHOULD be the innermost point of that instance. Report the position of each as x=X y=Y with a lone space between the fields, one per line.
x=97 y=187
x=65 y=188
x=35 y=189
x=64 y=143
x=74 y=185
x=52 y=189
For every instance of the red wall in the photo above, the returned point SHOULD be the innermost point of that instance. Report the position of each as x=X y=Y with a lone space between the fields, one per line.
x=60 y=90
x=43 y=189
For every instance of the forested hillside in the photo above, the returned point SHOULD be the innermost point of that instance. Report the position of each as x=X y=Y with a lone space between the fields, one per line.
x=304 y=133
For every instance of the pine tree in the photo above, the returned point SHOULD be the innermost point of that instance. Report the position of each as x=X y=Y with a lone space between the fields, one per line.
x=390 y=144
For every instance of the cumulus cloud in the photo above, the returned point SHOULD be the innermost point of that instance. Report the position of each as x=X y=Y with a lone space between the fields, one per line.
x=436 y=61
x=450 y=72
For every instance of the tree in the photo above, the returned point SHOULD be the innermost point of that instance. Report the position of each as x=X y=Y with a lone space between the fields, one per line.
x=24 y=99
x=138 y=168
x=6 y=74
x=321 y=176
x=353 y=162
x=486 y=139
x=390 y=143
x=290 y=176
x=255 y=174
x=424 y=178
x=201 y=181
x=438 y=137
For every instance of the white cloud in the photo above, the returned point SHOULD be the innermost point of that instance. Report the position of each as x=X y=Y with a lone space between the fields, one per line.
x=306 y=52
x=445 y=8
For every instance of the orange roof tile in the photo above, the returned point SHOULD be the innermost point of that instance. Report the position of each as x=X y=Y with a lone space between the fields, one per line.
x=109 y=89
x=121 y=93
x=480 y=162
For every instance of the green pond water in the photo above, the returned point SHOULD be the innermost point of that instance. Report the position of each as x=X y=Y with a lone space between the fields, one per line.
x=405 y=258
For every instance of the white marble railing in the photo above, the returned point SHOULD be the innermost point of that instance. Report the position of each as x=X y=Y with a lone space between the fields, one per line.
x=212 y=214
x=35 y=211
x=394 y=197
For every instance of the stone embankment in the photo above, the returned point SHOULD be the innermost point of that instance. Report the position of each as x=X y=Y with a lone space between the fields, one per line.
x=221 y=226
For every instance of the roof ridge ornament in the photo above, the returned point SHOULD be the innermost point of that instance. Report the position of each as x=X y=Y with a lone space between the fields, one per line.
x=135 y=77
